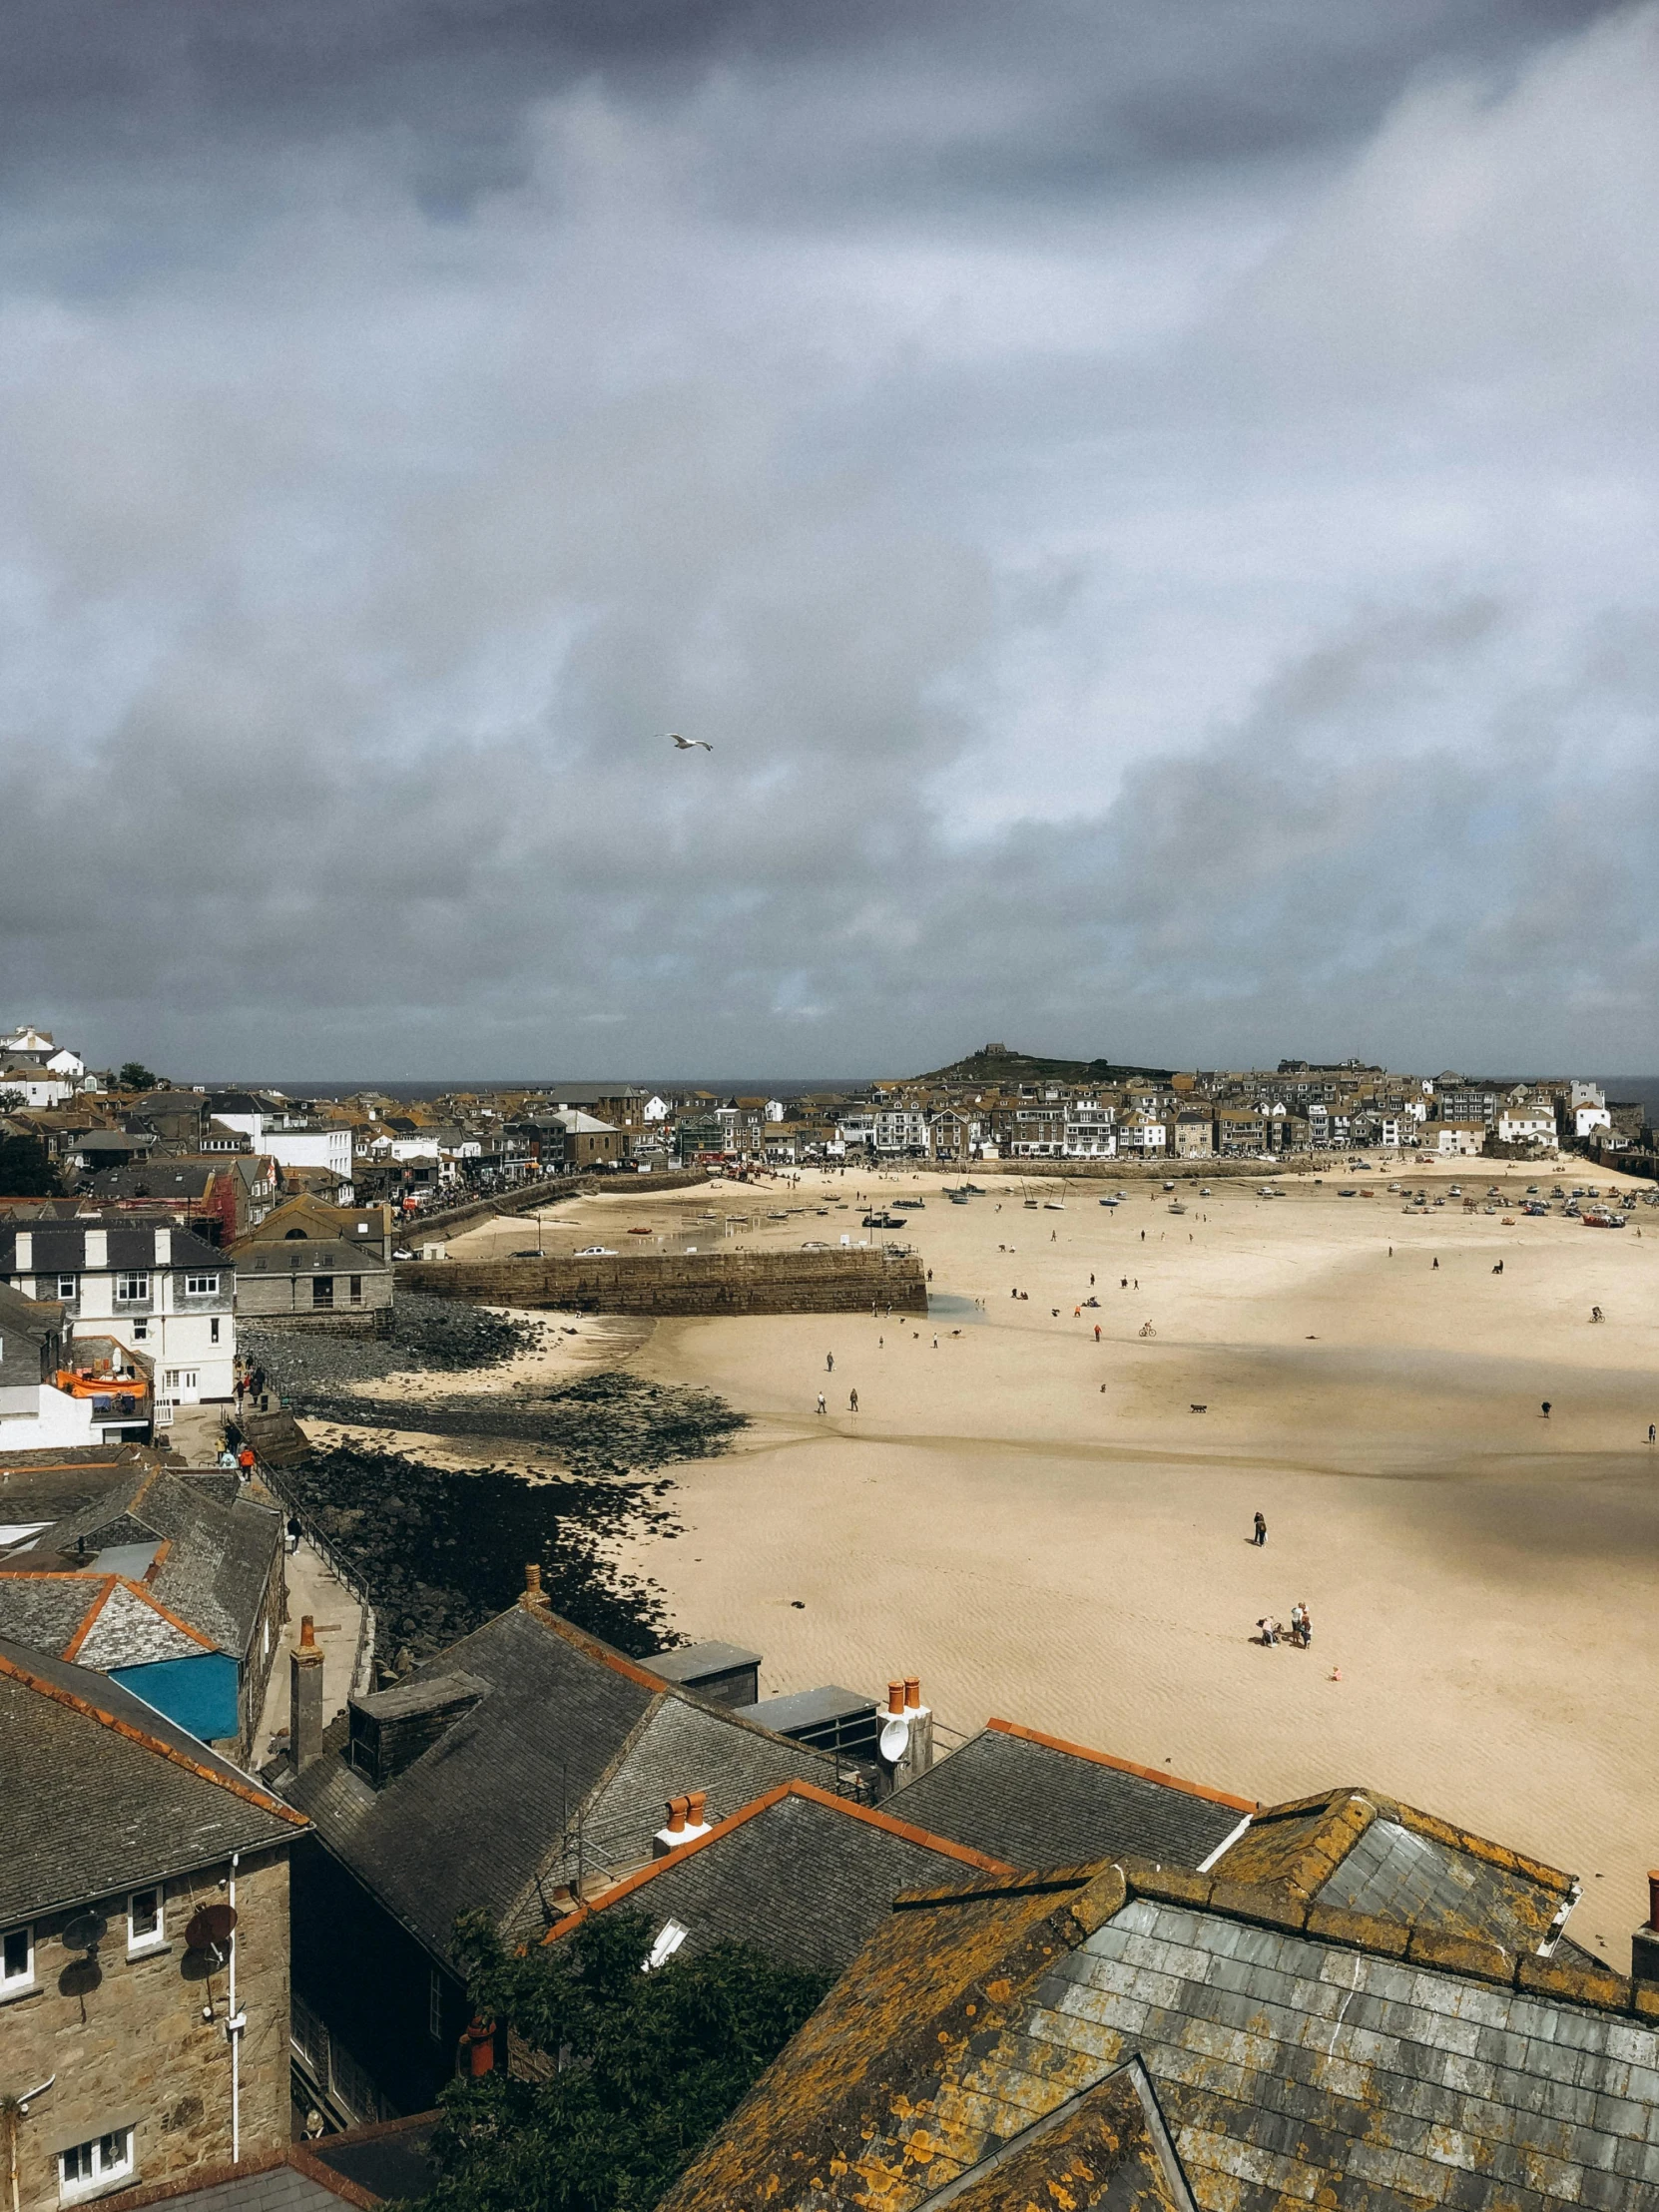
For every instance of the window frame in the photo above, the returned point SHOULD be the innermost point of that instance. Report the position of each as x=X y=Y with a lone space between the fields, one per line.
x=323 y=1294
x=155 y=1938
x=15 y=1983
x=124 y=1295
x=69 y=1289
x=201 y=1285
x=101 y=2173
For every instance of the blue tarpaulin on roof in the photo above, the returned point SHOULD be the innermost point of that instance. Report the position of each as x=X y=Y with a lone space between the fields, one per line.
x=200 y=1694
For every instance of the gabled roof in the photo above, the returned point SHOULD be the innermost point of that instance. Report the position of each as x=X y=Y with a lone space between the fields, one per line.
x=1038 y=1800
x=1366 y=1852
x=800 y=1873
x=562 y=1767
x=101 y=1791
x=101 y=1621
x=1294 y=2054
x=213 y=1562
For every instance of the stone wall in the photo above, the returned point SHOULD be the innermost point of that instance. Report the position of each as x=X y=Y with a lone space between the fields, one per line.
x=666 y=1283
x=135 y=2052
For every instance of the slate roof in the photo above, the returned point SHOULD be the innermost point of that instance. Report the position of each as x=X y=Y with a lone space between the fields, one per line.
x=44 y=1485
x=101 y=1791
x=1036 y=1801
x=567 y=1728
x=61 y=1246
x=1366 y=1852
x=100 y=1621
x=801 y=1874
x=1296 y=2054
x=359 y=2166
x=213 y=1564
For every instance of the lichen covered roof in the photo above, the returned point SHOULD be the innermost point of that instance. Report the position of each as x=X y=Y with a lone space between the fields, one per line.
x=1299 y=2053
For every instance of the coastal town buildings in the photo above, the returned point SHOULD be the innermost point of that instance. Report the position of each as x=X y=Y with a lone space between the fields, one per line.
x=143 y=1943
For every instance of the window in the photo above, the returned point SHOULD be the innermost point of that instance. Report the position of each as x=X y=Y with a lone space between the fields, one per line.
x=131 y=1288
x=17 y=1958
x=178 y=1379
x=146 y=1920
x=356 y=1290
x=201 y=1286
x=213 y=1331
x=67 y=1287
x=434 y=2006
x=92 y=2165
x=141 y=1332
x=322 y=1290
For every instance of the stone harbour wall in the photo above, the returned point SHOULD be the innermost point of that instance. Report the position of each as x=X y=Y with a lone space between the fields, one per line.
x=685 y=1284
x=134 y=2051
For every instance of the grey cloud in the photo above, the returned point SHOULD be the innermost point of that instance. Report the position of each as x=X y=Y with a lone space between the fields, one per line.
x=1196 y=614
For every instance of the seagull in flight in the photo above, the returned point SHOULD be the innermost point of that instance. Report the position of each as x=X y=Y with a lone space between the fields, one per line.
x=689 y=745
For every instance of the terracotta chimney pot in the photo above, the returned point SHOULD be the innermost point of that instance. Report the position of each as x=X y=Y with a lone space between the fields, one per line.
x=532 y=1579
x=896 y=1697
x=308 y=1633
x=913 y=1692
x=677 y=1809
x=693 y=1807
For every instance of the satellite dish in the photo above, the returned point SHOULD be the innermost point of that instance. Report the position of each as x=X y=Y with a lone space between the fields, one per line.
x=895 y=1739
x=85 y=1932
x=208 y=1926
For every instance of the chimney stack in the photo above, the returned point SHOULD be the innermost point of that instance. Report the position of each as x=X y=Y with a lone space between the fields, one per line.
x=164 y=1248
x=687 y=1821
x=1645 y=1945
x=905 y=1746
x=532 y=1597
x=477 y=2047
x=25 y=1251
x=305 y=1698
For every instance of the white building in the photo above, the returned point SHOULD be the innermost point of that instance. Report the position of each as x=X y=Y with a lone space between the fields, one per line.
x=34 y=1085
x=1090 y=1131
x=159 y=1291
x=1525 y=1125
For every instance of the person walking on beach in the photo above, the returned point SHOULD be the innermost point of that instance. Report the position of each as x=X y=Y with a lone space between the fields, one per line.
x=1434 y=1263
x=821 y=1404
x=1261 y=1529
x=1097 y=1340
x=852 y=1401
x=1544 y=1408
x=1652 y=1434
x=829 y=1363
x=1296 y=1622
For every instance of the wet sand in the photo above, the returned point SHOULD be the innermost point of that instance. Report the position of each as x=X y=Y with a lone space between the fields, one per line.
x=1042 y=1527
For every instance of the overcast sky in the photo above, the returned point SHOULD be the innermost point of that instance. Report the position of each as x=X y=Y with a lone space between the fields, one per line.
x=1152 y=505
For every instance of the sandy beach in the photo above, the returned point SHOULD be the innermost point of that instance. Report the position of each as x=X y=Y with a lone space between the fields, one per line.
x=1042 y=1526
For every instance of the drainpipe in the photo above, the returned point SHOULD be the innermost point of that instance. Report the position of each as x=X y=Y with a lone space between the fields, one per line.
x=234 y=2023
x=14 y=2110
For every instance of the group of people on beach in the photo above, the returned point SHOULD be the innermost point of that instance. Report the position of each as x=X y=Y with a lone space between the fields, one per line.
x=1300 y=1632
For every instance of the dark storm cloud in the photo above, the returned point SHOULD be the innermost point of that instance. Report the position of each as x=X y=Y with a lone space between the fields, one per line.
x=1152 y=505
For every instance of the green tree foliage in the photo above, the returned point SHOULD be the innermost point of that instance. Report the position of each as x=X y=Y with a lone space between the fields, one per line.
x=133 y=1075
x=639 y=2069
x=25 y=1171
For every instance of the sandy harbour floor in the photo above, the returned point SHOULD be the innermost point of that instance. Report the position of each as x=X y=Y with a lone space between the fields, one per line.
x=1043 y=1527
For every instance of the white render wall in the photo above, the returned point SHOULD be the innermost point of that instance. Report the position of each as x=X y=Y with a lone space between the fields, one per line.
x=51 y=1421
